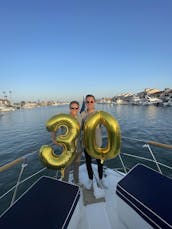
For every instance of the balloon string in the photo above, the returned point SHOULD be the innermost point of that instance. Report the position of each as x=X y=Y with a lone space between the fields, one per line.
x=102 y=161
x=62 y=173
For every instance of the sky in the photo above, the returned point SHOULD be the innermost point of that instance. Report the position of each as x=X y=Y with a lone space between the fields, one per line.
x=65 y=49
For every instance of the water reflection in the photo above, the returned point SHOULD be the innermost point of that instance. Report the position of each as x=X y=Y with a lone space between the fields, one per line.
x=151 y=112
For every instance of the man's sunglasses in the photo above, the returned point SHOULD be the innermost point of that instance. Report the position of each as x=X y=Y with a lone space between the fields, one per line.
x=74 y=108
x=89 y=101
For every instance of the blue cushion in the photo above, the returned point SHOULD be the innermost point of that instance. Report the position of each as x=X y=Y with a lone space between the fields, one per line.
x=49 y=204
x=149 y=193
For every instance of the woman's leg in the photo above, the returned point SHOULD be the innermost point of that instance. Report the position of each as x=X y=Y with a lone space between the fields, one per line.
x=76 y=165
x=66 y=174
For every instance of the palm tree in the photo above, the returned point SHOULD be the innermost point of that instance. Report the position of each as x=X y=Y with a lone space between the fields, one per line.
x=4 y=93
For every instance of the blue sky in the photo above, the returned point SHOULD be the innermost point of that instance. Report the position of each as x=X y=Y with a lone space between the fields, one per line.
x=63 y=50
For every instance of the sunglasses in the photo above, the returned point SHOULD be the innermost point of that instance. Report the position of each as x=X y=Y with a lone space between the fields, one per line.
x=74 y=108
x=89 y=101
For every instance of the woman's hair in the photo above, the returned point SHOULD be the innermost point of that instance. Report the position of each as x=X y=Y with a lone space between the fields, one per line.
x=74 y=101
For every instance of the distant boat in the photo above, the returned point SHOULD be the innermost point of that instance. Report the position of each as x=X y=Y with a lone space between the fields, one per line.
x=168 y=102
x=6 y=108
x=121 y=101
x=151 y=101
x=136 y=100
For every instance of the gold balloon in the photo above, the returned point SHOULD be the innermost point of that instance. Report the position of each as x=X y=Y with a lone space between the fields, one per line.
x=112 y=148
x=67 y=141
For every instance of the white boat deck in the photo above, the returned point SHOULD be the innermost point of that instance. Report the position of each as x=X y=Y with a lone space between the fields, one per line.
x=101 y=211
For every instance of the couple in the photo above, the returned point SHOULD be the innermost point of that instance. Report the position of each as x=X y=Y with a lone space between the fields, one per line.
x=90 y=109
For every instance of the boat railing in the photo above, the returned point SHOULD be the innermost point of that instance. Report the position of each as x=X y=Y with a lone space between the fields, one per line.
x=162 y=145
x=24 y=163
x=147 y=144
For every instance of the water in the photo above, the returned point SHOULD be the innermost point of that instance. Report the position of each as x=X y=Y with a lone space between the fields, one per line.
x=23 y=132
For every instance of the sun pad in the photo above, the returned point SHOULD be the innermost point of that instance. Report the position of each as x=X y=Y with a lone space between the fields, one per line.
x=150 y=194
x=49 y=204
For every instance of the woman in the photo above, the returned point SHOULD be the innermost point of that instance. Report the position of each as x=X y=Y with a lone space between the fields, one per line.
x=74 y=109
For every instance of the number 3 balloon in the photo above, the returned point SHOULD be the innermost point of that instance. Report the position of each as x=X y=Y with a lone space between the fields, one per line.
x=67 y=141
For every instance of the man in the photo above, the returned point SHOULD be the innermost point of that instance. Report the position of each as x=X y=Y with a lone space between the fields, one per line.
x=90 y=109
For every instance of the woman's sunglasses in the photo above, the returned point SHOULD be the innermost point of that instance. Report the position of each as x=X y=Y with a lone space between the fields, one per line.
x=74 y=108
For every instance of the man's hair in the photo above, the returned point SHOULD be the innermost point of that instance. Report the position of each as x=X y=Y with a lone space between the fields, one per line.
x=74 y=101
x=89 y=95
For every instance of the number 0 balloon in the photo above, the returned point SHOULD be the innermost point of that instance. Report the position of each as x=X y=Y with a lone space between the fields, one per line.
x=112 y=148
